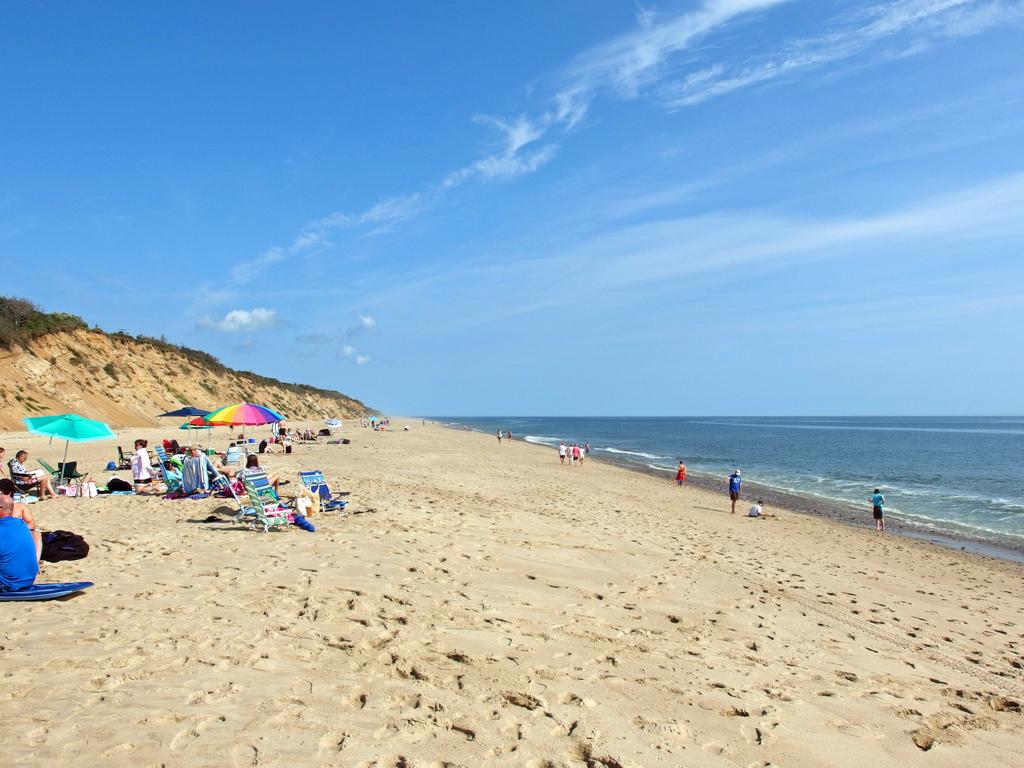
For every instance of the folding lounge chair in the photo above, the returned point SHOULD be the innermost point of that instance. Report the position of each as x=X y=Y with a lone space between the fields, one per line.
x=315 y=482
x=123 y=461
x=267 y=510
x=162 y=457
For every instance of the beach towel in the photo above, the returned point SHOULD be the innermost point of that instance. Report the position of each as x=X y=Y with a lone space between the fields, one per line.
x=196 y=472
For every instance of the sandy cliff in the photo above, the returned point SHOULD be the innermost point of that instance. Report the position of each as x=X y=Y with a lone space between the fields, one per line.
x=126 y=382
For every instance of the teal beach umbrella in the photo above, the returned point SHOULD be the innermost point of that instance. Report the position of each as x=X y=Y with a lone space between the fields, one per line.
x=69 y=427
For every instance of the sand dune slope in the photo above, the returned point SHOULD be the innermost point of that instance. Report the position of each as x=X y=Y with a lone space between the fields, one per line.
x=486 y=606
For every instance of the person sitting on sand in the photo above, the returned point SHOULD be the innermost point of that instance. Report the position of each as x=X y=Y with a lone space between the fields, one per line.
x=758 y=510
x=22 y=512
x=21 y=476
x=19 y=555
x=252 y=467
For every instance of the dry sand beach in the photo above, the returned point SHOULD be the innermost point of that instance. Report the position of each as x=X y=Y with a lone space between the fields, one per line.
x=486 y=606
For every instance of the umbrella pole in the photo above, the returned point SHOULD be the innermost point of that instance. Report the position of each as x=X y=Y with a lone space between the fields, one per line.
x=64 y=464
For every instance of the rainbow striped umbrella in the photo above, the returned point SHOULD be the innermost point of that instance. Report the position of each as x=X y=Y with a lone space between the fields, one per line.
x=244 y=414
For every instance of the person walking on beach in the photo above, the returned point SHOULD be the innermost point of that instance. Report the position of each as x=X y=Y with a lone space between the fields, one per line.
x=681 y=473
x=586 y=450
x=575 y=454
x=508 y=435
x=561 y=452
x=878 y=504
x=734 y=488
x=499 y=437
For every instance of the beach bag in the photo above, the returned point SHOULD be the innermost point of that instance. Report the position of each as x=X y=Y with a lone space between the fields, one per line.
x=63 y=545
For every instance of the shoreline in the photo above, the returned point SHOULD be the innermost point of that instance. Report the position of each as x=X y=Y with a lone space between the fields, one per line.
x=806 y=504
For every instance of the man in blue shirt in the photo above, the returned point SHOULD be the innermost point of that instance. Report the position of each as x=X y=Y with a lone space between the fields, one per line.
x=734 y=488
x=19 y=565
x=877 y=503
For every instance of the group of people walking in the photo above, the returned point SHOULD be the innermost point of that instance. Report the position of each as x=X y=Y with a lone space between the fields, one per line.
x=575 y=453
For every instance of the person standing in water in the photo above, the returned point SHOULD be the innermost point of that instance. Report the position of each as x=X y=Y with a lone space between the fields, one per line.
x=734 y=488
x=878 y=509
x=681 y=473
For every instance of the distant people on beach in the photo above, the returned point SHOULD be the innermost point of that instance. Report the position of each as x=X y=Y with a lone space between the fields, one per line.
x=735 y=484
x=508 y=435
x=561 y=452
x=575 y=454
x=580 y=454
x=499 y=437
x=586 y=450
x=878 y=509
x=681 y=473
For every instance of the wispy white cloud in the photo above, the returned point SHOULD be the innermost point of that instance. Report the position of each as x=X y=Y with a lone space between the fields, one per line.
x=367 y=322
x=629 y=63
x=915 y=24
x=362 y=359
x=624 y=264
x=645 y=60
x=243 y=320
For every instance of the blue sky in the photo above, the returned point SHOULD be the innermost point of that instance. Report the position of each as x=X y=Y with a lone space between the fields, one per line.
x=540 y=208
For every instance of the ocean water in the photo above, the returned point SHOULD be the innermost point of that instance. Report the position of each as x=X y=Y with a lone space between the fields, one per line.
x=962 y=476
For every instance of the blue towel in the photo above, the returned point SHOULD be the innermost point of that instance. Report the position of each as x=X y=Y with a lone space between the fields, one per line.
x=303 y=523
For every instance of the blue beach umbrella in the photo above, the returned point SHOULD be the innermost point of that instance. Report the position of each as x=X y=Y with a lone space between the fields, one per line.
x=187 y=411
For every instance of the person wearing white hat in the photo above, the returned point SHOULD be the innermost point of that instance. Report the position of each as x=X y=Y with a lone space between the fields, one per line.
x=734 y=488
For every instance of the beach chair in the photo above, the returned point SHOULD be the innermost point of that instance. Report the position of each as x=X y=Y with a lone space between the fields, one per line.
x=267 y=510
x=162 y=458
x=123 y=460
x=233 y=457
x=315 y=483
x=67 y=471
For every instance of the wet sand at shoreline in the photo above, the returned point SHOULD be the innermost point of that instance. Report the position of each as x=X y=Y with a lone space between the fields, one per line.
x=484 y=605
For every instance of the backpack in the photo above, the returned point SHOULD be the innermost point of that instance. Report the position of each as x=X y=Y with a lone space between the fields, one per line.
x=63 y=545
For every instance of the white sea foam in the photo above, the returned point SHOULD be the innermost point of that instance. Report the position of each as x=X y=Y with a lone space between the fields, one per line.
x=635 y=453
x=542 y=440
